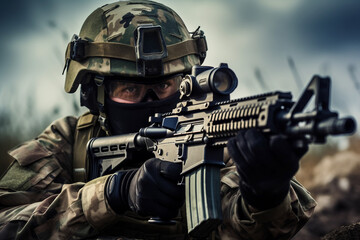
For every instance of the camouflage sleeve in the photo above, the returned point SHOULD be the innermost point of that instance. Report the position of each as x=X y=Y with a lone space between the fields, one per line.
x=241 y=221
x=37 y=197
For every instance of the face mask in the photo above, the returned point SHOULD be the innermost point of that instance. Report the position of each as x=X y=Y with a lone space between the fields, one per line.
x=129 y=118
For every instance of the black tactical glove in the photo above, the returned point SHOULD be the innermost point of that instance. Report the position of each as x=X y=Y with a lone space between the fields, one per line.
x=265 y=166
x=151 y=190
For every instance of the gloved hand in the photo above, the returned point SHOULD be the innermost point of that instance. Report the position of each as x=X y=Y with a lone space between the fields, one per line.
x=151 y=190
x=265 y=166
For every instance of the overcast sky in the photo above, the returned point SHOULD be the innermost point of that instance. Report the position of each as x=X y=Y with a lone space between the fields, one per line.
x=258 y=39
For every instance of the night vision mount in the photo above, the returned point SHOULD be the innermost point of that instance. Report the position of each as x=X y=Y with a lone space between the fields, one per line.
x=150 y=50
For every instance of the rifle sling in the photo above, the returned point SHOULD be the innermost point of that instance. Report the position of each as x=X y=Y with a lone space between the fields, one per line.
x=86 y=128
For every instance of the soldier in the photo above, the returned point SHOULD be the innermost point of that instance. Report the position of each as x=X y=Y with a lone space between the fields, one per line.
x=129 y=59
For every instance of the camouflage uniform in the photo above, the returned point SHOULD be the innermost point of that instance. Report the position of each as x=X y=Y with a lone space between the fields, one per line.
x=40 y=197
x=39 y=200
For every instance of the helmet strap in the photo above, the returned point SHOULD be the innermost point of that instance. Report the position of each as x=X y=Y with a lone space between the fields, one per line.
x=99 y=81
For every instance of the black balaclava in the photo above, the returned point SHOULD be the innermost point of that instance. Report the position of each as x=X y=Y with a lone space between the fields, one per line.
x=129 y=118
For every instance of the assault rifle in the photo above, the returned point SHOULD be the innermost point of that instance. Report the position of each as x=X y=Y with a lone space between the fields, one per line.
x=196 y=131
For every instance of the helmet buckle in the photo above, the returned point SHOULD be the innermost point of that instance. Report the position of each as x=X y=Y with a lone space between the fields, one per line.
x=201 y=43
x=77 y=48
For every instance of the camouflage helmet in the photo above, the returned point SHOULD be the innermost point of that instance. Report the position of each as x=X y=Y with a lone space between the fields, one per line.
x=107 y=44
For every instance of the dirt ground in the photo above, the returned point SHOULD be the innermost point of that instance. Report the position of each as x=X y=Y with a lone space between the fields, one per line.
x=335 y=184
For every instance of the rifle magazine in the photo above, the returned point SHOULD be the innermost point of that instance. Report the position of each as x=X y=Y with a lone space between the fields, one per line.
x=203 y=211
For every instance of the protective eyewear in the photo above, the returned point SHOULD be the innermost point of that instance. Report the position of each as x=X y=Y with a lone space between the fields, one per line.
x=130 y=91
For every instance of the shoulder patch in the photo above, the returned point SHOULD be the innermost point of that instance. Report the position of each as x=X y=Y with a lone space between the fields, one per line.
x=16 y=177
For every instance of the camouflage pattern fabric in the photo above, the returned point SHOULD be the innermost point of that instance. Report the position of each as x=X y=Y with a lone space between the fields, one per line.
x=103 y=26
x=38 y=200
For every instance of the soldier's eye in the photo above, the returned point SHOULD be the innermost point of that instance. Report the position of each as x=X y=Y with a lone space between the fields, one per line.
x=130 y=90
x=163 y=86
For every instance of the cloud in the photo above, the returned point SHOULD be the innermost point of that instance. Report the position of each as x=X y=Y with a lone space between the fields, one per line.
x=318 y=26
x=326 y=25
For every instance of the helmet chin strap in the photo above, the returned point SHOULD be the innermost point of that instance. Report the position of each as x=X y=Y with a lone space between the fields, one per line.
x=99 y=81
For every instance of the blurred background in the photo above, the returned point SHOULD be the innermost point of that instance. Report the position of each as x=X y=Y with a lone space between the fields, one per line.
x=271 y=45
